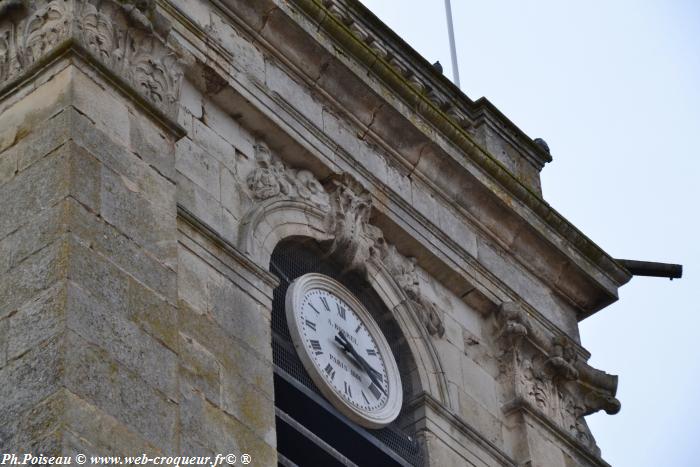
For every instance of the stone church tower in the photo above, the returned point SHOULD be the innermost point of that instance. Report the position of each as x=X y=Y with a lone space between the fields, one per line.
x=170 y=169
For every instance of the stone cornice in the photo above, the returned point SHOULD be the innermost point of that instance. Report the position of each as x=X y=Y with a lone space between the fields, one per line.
x=117 y=37
x=434 y=84
x=343 y=34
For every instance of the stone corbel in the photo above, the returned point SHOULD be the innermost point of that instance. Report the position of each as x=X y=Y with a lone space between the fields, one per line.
x=513 y=324
x=117 y=34
x=547 y=377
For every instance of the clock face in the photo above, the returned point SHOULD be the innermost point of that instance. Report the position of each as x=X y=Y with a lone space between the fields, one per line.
x=343 y=350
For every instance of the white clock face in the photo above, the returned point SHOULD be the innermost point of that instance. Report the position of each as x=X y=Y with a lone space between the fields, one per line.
x=343 y=350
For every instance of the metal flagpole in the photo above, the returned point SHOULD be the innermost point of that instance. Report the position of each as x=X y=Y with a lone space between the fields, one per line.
x=453 y=48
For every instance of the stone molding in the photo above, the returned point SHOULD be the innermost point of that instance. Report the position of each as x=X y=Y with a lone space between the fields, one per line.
x=545 y=374
x=435 y=86
x=118 y=34
x=354 y=241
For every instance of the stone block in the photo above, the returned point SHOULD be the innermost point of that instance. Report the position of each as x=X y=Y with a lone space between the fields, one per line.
x=122 y=340
x=152 y=144
x=153 y=313
x=480 y=385
x=199 y=369
x=192 y=280
x=235 y=357
x=34 y=275
x=294 y=94
x=37 y=320
x=199 y=202
x=200 y=167
x=541 y=449
x=39 y=429
x=92 y=375
x=20 y=117
x=41 y=230
x=119 y=249
x=340 y=132
x=232 y=192
x=191 y=99
x=239 y=315
x=479 y=417
x=101 y=278
x=8 y=166
x=105 y=433
x=146 y=223
x=249 y=405
x=38 y=372
x=220 y=432
x=33 y=190
x=213 y=144
x=140 y=176
x=106 y=110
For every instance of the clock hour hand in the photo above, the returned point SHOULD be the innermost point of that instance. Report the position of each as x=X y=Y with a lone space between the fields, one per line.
x=371 y=372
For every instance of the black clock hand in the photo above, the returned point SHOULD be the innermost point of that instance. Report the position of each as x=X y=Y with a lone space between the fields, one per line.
x=371 y=372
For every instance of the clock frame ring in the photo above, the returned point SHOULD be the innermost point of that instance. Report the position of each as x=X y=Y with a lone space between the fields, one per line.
x=373 y=419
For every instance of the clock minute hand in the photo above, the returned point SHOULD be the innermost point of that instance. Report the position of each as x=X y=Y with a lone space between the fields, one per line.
x=371 y=372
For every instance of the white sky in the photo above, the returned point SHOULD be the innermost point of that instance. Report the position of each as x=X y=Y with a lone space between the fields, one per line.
x=614 y=89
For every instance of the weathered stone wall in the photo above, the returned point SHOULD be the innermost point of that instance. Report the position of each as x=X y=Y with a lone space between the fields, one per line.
x=138 y=212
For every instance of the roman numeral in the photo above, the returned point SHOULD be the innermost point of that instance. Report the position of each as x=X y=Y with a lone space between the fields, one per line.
x=375 y=391
x=331 y=372
x=348 y=389
x=371 y=352
x=314 y=308
x=316 y=345
x=341 y=311
x=358 y=328
x=365 y=397
x=311 y=325
x=325 y=303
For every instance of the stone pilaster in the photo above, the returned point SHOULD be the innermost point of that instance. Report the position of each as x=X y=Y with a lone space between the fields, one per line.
x=88 y=246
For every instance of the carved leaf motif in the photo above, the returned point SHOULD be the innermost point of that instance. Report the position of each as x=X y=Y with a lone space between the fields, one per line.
x=98 y=33
x=5 y=54
x=42 y=30
x=118 y=35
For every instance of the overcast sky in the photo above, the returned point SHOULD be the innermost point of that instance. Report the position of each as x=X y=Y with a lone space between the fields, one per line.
x=614 y=89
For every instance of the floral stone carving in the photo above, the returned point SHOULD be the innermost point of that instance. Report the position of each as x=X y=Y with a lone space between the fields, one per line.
x=118 y=34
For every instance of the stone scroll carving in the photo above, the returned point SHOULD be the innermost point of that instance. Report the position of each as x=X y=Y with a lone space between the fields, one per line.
x=118 y=34
x=356 y=243
x=545 y=373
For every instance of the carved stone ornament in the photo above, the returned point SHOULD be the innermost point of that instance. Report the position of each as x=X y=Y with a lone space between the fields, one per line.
x=272 y=179
x=347 y=206
x=546 y=375
x=118 y=34
x=357 y=242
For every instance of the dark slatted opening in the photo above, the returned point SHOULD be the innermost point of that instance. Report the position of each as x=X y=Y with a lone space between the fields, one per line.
x=310 y=431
